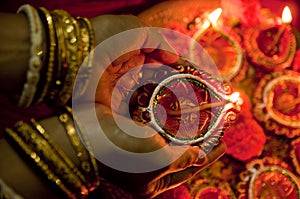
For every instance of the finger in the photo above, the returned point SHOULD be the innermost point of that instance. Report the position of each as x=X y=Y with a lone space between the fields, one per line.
x=164 y=56
x=135 y=61
x=193 y=156
x=177 y=178
x=125 y=57
x=127 y=81
x=163 y=52
x=130 y=137
x=148 y=50
x=130 y=73
x=216 y=153
x=104 y=88
x=117 y=81
x=150 y=60
x=172 y=180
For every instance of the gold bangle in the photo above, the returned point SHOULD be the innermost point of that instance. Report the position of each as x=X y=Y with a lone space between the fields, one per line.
x=35 y=61
x=61 y=57
x=84 y=36
x=44 y=13
x=88 y=40
x=83 y=136
x=74 y=56
x=58 y=150
x=88 y=163
x=39 y=162
x=50 y=156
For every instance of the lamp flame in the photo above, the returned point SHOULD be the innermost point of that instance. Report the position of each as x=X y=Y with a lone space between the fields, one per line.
x=286 y=15
x=206 y=24
x=234 y=97
x=214 y=16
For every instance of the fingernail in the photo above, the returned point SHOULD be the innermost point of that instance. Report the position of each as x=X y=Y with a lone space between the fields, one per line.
x=202 y=159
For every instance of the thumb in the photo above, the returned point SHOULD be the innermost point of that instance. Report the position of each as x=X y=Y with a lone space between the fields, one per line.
x=161 y=50
x=174 y=179
x=193 y=156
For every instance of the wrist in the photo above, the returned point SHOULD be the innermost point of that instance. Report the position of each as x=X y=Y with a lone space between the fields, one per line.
x=14 y=50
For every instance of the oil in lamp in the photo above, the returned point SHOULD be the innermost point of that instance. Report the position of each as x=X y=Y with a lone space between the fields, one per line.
x=271 y=46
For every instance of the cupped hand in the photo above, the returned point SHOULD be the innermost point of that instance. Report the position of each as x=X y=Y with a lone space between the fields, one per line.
x=180 y=169
x=109 y=110
x=123 y=52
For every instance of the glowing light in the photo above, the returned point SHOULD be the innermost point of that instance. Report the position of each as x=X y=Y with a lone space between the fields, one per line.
x=234 y=97
x=214 y=16
x=205 y=25
x=286 y=15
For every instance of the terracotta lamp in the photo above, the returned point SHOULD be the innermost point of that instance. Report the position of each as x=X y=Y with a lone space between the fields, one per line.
x=268 y=178
x=186 y=105
x=271 y=46
x=221 y=43
x=277 y=102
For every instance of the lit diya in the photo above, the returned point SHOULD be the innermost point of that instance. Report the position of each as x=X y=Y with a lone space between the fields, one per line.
x=271 y=46
x=185 y=104
x=277 y=102
x=268 y=178
x=221 y=44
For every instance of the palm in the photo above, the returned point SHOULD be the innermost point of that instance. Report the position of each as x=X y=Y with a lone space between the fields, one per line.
x=180 y=168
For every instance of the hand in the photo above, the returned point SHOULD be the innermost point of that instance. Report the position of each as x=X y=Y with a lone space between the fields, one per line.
x=180 y=169
x=151 y=184
x=105 y=27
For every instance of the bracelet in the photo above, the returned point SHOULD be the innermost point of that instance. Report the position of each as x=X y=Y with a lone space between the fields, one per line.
x=69 y=43
x=88 y=163
x=82 y=133
x=46 y=15
x=35 y=142
x=88 y=40
x=39 y=162
x=84 y=138
x=74 y=55
x=46 y=151
x=35 y=63
x=61 y=60
x=52 y=159
x=58 y=150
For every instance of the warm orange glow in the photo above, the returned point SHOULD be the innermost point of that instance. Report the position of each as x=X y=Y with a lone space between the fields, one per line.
x=214 y=16
x=205 y=25
x=286 y=15
x=234 y=97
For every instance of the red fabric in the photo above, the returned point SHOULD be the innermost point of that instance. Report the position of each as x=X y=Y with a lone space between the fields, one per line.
x=10 y=113
x=87 y=8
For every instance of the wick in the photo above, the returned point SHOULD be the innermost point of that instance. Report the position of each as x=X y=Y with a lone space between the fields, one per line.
x=277 y=36
x=201 y=107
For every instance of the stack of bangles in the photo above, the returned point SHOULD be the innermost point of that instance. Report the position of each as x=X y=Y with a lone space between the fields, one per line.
x=56 y=54
x=35 y=142
x=60 y=44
